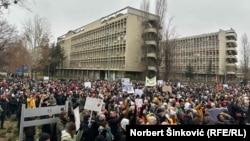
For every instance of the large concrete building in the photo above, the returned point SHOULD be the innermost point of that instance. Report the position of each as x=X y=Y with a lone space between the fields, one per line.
x=213 y=51
x=107 y=48
x=111 y=48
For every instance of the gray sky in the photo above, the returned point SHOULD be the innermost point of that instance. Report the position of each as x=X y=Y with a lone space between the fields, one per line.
x=191 y=17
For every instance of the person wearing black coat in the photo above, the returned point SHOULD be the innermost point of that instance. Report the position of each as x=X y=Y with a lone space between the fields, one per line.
x=13 y=105
x=188 y=118
x=4 y=105
x=90 y=129
x=114 y=120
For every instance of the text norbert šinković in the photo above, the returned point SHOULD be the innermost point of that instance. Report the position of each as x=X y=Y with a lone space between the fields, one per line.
x=189 y=133
x=167 y=132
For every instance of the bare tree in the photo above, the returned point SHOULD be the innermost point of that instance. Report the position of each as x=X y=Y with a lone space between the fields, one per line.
x=167 y=33
x=44 y=61
x=145 y=6
x=245 y=51
x=161 y=11
x=168 y=44
x=36 y=34
x=4 y=4
x=18 y=58
x=7 y=36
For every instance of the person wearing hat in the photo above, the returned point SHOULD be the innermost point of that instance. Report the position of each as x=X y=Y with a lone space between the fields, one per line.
x=44 y=137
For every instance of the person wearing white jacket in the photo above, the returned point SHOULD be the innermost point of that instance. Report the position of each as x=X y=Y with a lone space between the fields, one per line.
x=69 y=134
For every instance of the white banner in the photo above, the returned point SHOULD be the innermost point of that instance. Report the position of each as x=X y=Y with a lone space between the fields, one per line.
x=128 y=88
x=125 y=81
x=150 y=82
x=93 y=104
x=77 y=118
x=46 y=78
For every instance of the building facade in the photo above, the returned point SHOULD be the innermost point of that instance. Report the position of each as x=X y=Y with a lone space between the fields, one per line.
x=108 y=48
x=111 y=48
x=212 y=56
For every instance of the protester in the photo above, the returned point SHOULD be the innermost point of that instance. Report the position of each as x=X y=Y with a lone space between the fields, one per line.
x=61 y=124
x=44 y=137
x=69 y=134
x=183 y=103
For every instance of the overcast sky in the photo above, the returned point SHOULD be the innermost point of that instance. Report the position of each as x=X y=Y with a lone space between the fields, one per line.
x=190 y=17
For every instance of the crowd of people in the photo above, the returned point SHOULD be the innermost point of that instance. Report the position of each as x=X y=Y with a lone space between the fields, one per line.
x=186 y=104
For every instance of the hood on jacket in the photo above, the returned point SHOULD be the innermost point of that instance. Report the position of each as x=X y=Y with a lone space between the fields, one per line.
x=65 y=136
x=124 y=122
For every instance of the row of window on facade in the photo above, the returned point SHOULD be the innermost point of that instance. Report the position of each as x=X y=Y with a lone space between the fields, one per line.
x=107 y=39
x=197 y=54
x=198 y=39
x=198 y=45
x=196 y=69
x=107 y=29
x=115 y=64
x=99 y=44
x=102 y=53
x=202 y=61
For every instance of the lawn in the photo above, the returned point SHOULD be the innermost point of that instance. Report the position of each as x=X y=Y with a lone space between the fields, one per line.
x=11 y=131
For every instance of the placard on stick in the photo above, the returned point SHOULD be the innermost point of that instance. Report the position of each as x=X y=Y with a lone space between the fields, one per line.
x=93 y=104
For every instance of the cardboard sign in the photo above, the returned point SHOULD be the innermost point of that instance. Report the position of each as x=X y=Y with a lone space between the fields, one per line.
x=167 y=89
x=87 y=84
x=128 y=88
x=125 y=81
x=138 y=92
x=138 y=102
x=93 y=104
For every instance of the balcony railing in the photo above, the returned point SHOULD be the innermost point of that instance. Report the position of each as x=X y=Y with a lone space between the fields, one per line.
x=153 y=55
x=152 y=68
x=151 y=43
x=231 y=43
x=152 y=30
x=232 y=35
